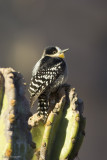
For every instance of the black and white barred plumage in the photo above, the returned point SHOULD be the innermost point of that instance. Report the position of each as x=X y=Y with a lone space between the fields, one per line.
x=48 y=74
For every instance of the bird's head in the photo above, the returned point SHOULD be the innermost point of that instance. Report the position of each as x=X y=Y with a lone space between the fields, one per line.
x=54 y=52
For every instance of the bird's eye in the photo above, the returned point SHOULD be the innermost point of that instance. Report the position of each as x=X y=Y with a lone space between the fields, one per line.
x=54 y=52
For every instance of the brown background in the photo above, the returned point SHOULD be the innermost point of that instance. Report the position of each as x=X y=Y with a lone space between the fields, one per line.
x=27 y=26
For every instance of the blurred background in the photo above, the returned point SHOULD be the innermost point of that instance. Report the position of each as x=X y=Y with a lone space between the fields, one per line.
x=28 y=26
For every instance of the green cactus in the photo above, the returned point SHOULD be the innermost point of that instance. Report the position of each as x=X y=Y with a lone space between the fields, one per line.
x=15 y=137
x=30 y=137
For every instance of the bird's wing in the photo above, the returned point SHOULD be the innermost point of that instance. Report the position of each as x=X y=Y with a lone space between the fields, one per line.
x=46 y=74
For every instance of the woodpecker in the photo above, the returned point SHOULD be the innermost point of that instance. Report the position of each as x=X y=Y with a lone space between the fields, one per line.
x=49 y=73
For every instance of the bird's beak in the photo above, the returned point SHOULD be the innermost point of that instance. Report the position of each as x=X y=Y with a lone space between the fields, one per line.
x=64 y=50
x=61 y=55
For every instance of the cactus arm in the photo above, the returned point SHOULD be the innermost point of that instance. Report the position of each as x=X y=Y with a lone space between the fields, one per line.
x=79 y=139
x=71 y=133
x=37 y=130
x=68 y=130
x=15 y=137
x=61 y=137
x=51 y=128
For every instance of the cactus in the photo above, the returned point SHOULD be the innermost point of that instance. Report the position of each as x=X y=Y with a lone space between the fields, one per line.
x=15 y=137
x=24 y=136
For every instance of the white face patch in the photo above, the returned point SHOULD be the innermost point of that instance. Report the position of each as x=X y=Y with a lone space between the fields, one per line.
x=59 y=50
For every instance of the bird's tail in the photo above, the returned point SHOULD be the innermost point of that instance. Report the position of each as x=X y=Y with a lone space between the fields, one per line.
x=43 y=105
